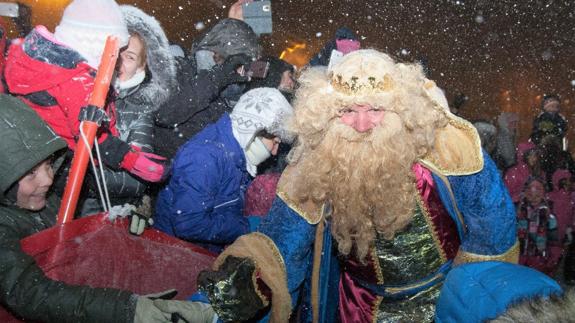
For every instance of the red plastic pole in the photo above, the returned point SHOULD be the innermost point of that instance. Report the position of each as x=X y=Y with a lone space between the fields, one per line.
x=90 y=128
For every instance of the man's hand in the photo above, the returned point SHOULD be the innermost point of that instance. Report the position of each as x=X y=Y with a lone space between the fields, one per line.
x=236 y=10
x=228 y=73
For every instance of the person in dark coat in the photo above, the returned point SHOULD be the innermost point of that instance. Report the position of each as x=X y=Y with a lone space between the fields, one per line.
x=27 y=149
x=345 y=42
x=488 y=135
x=505 y=155
x=204 y=199
x=280 y=76
x=146 y=77
x=550 y=121
x=209 y=84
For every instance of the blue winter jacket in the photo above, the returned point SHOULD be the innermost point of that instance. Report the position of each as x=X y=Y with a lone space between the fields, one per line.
x=204 y=199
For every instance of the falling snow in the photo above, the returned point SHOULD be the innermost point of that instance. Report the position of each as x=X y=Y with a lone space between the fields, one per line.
x=478 y=47
x=199 y=25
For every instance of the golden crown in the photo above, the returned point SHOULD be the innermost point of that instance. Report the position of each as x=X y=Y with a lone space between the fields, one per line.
x=355 y=86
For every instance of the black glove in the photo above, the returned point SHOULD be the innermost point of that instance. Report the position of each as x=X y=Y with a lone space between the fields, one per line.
x=231 y=291
x=141 y=218
x=139 y=222
x=113 y=151
x=227 y=73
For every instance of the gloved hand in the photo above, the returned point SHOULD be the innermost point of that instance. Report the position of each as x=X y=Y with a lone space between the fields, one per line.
x=147 y=166
x=139 y=222
x=231 y=291
x=187 y=312
x=141 y=218
x=118 y=154
x=147 y=312
x=228 y=73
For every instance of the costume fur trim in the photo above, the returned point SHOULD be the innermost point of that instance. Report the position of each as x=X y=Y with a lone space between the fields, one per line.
x=269 y=262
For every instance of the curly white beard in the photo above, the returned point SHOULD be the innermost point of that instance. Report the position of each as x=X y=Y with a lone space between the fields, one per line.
x=367 y=179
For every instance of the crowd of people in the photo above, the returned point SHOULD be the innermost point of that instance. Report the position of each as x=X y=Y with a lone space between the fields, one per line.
x=539 y=175
x=349 y=191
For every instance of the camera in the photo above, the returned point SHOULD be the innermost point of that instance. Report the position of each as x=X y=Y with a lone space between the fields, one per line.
x=258 y=15
x=258 y=69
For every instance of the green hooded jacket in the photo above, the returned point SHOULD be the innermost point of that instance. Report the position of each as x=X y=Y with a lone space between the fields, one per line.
x=24 y=289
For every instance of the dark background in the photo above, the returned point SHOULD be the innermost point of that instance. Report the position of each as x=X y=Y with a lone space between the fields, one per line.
x=502 y=54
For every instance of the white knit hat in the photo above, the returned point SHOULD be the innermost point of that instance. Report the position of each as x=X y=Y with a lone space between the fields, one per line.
x=261 y=109
x=86 y=24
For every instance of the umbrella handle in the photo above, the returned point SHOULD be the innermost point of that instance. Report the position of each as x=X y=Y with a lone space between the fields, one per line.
x=89 y=128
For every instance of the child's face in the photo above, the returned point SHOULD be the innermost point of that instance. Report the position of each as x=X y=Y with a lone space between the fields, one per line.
x=532 y=159
x=33 y=187
x=552 y=106
x=535 y=193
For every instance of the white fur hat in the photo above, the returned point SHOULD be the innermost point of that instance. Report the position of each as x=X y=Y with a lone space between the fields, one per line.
x=261 y=109
x=86 y=24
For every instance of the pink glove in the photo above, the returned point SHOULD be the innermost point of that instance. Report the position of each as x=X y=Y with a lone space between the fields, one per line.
x=147 y=166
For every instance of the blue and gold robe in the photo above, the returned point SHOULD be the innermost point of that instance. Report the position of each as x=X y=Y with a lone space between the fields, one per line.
x=463 y=214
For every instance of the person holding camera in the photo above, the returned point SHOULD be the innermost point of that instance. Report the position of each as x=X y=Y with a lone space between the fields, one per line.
x=210 y=83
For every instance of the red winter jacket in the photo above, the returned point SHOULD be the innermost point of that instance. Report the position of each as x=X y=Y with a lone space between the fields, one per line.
x=55 y=81
x=260 y=194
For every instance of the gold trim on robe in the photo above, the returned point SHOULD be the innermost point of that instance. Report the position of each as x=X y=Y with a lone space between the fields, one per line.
x=511 y=255
x=456 y=150
x=310 y=211
x=432 y=227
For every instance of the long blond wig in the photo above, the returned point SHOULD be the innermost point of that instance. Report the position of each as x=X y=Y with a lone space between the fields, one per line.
x=365 y=177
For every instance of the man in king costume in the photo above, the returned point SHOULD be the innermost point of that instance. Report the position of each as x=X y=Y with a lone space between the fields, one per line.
x=386 y=191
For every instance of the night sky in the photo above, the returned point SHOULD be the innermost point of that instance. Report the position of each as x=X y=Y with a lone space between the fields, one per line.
x=501 y=54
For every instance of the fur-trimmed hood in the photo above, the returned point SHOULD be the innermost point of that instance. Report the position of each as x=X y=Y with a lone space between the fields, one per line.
x=161 y=64
x=26 y=141
x=228 y=37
